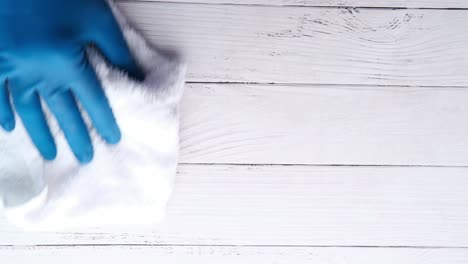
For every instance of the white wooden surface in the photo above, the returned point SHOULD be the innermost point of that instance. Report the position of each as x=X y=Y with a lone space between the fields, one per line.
x=297 y=206
x=339 y=124
x=336 y=3
x=229 y=255
x=311 y=134
x=236 y=43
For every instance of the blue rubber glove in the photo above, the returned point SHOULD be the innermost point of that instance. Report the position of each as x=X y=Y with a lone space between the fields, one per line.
x=43 y=55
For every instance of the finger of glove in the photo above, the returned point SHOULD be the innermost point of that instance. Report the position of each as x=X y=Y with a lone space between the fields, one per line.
x=111 y=42
x=65 y=110
x=7 y=118
x=90 y=94
x=30 y=111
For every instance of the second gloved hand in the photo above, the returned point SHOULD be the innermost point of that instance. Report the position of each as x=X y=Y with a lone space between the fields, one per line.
x=43 y=55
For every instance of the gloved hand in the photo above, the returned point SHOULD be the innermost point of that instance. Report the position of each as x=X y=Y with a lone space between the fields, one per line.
x=43 y=55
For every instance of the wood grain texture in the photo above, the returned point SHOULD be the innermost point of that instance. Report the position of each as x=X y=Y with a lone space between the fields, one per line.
x=337 y=3
x=297 y=205
x=228 y=255
x=229 y=43
x=302 y=214
x=263 y=124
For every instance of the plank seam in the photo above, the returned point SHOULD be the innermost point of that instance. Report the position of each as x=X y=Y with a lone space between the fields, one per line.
x=298 y=6
x=228 y=245
x=319 y=165
x=325 y=85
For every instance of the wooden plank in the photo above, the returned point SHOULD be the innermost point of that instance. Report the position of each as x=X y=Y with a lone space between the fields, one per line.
x=235 y=43
x=335 y=3
x=229 y=255
x=297 y=205
x=260 y=124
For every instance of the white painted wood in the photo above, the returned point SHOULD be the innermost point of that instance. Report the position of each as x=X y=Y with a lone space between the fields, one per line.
x=228 y=255
x=250 y=124
x=339 y=3
x=295 y=205
x=299 y=214
x=311 y=45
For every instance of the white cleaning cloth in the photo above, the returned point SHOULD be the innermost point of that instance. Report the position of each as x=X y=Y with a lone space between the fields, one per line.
x=126 y=185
